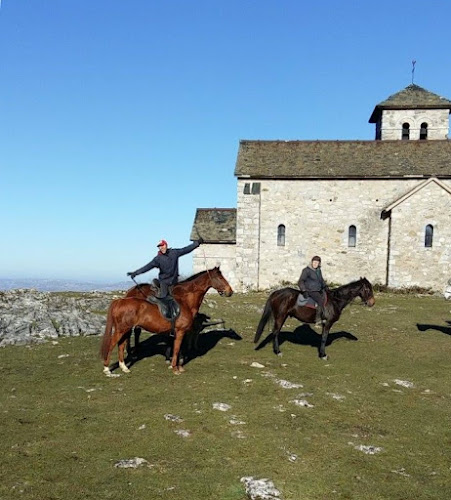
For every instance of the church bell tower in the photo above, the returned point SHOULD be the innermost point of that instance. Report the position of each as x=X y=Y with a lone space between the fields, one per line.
x=414 y=113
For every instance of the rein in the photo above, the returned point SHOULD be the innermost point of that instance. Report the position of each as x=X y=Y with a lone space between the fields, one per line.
x=138 y=286
x=205 y=262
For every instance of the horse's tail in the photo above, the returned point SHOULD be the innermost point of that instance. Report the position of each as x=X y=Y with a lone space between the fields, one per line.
x=107 y=336
x=266 y=316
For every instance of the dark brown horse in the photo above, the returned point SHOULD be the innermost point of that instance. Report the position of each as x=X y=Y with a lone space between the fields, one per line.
x=281 y=304
x=127 y=313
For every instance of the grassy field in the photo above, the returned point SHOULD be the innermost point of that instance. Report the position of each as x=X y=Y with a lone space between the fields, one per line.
x=65 y=425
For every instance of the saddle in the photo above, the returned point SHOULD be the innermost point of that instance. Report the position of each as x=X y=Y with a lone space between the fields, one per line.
x=168 y=307
x=302 y=301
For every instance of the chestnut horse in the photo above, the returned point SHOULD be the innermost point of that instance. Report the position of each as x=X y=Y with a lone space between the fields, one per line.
x=281 y=304
x=124 y=314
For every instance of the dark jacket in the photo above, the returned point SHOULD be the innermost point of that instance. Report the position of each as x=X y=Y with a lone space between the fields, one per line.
x=311 y=280
x=168 y=263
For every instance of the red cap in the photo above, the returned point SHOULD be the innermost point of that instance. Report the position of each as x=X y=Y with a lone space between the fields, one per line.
x=162 y=242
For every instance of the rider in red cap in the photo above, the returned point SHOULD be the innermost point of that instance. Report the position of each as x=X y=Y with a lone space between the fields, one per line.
x=167 y=261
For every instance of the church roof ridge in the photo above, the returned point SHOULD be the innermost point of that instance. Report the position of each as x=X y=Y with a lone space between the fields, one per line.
x=411 y=97
x=413 y=191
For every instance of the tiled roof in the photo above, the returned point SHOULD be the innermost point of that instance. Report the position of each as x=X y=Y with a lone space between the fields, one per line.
x=343 y=159
x=412 y=97
x=215 y=225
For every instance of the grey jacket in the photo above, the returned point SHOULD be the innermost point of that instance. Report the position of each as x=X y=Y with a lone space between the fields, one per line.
x=311 y=280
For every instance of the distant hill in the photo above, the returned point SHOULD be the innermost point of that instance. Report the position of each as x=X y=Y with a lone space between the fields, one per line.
x=48 y=285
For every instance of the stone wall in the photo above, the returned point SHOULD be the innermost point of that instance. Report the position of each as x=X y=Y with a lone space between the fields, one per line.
x=208 y=256
x=393 y=119
x=248 y=239
x=411 y=263
x=317 y=215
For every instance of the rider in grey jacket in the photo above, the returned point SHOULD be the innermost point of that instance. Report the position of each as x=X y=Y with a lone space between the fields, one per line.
x=312 y=284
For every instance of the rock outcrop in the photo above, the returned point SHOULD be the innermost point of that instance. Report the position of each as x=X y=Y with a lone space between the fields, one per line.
x=29 y=316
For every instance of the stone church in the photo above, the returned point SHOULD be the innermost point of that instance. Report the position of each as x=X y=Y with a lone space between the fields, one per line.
x=380 y=209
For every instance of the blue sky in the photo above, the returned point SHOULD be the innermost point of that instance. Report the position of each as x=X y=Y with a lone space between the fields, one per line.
x=119 y=118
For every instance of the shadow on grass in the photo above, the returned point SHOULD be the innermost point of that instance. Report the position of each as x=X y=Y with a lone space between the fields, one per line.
x=207 y=341
x=444 y=329
x=158 y=345
x=305 y=335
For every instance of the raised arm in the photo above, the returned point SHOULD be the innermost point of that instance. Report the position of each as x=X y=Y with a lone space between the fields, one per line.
x=188 y=249
x=151 y=265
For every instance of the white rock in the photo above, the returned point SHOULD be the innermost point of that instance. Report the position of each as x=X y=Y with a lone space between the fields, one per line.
x=369 y=450
x=260 y=489
x=132 y=463
x=301 y=402
x=285 y=384
x=403 y=383
x=173 y=418
x=183 y=433
x=221 y=406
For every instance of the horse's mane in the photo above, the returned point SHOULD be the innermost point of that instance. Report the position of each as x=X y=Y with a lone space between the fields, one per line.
x=344 y=288
x=193 y=277
x=344 y=292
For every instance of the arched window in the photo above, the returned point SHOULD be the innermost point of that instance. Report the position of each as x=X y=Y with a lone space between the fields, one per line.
x=281 y=236
x=424 y=131
x=405 y=131
x=352 y=236
x=428 y=236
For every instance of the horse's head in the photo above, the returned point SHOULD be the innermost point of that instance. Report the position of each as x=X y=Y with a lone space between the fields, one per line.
x=366 y=292
x=219 y=283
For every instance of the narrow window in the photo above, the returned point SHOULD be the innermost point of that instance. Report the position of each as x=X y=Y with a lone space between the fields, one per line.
x=281 y=236
x=405 y=131
x=424 y=131
x=255 y=188
x=352 y=236
x=428 y=236
x=247 y=188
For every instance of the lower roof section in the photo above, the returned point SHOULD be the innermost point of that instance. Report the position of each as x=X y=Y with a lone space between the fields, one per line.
x=215 y=225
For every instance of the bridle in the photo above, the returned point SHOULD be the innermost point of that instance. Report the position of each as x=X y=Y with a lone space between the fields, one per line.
x=221 y=292
x=365 y=294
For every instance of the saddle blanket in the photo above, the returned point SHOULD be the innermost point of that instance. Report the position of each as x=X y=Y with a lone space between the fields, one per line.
x=305 y=302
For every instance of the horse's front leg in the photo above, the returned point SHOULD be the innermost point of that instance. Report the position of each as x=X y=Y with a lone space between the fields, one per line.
x=176 y=369
x=324 y=335
x=275 y=343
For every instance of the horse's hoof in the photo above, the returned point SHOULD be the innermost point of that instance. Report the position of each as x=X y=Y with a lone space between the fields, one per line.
x=175 y=371
x=279 y=354
x=124 y=368
x=106 y=370
x=324 y=358
x=181 y=369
